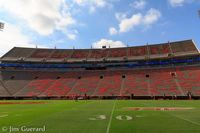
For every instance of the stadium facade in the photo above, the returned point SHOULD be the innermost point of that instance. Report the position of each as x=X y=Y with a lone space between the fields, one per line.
x=170 y=70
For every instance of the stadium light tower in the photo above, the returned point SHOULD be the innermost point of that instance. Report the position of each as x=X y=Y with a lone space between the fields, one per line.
x=1 y=26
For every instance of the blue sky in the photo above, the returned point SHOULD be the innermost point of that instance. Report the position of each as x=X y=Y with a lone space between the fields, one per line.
x=93 y=23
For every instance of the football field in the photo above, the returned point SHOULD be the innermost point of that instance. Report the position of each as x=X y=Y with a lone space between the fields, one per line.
x=100 y=116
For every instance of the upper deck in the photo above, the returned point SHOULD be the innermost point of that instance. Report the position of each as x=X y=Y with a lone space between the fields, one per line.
x=154 y=51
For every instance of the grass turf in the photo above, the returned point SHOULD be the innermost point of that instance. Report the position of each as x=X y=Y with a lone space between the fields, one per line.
x=60 y=116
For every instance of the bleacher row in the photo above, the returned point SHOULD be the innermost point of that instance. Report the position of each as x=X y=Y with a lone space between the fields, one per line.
x=149 y=82
x=159 y=49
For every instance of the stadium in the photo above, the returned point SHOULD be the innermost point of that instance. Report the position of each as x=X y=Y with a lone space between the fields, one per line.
x=99 y=66
x=145 y=72
x=100 y=84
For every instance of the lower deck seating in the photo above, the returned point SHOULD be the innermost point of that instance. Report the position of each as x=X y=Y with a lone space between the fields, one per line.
x=148 y=82
x=189 y=80
x=86 y=84
x=135 y=83
x=3 y=91
x=109 y=84
x=62 y=85
x=14 y=80
x=163 y=83
x=39 y=83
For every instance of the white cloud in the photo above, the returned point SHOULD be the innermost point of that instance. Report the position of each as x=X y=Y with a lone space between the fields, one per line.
x=108 y=43
x=129 y=23
x=138 y=4
x=42 y=16
x=126 y=24
x=151 y=17
x=120 y=16
x=12 y=36
x=71 y=36
x=92 y=4
x=97 y=3
x=112 y=31
x=176 y=3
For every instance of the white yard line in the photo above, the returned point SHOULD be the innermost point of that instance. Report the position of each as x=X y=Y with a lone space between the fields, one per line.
x=3 y=116
x=108 y=127
x=190 y=121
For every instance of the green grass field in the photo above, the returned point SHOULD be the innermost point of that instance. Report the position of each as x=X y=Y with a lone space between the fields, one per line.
x=109 y=116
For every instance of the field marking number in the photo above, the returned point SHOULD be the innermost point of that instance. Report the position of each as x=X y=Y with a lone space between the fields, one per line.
x=119 y=117
x=98 y=117
x=124 y=117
